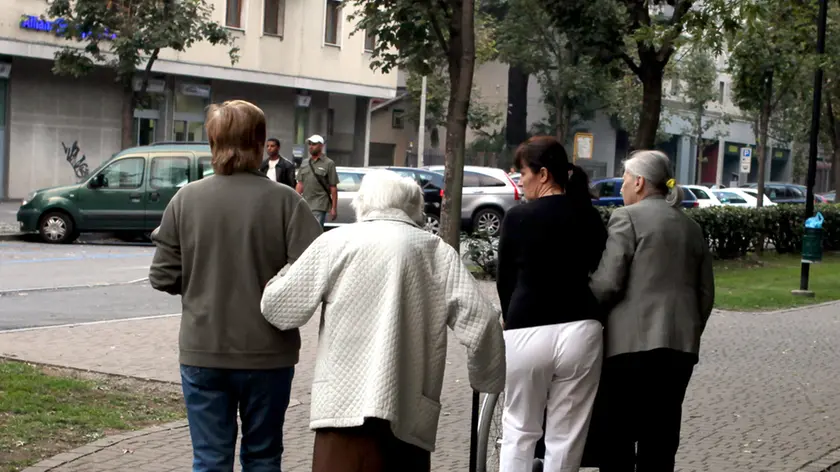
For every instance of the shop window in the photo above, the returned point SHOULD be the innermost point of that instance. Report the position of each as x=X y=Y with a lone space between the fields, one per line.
x=332 y=23
x=3 y=88
x=330 y=122
x=144 y=131
x=191 y=101
x=274 y=17
x=233 y=15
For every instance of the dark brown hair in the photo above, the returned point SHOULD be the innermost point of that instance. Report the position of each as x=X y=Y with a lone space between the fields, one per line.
x=236 y=131
x=546 y=152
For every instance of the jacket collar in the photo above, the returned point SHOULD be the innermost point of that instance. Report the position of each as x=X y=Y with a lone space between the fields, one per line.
x=392 y=214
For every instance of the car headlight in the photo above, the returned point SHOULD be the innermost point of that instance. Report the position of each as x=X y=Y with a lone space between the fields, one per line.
x=29 y=198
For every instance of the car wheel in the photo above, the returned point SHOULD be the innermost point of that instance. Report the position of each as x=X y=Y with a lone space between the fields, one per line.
x=432 y=224
x=487 y=220
x=57 y=228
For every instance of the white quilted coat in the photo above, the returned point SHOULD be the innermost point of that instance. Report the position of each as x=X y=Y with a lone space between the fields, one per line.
x=389 y=292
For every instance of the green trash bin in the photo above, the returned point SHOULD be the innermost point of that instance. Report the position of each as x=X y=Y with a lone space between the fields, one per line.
x=812 y=245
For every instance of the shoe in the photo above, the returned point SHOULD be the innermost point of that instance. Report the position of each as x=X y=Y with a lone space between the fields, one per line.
x=538 y=466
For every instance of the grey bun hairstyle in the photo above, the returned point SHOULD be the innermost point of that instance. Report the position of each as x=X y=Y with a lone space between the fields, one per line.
x=655 y=168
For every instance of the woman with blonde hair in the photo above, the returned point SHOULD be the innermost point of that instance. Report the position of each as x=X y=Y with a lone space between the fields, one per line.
x=221 y=239
x=656 y=280
x=387 y=291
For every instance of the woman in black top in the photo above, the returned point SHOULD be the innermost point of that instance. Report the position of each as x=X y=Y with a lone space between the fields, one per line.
x=553 y=335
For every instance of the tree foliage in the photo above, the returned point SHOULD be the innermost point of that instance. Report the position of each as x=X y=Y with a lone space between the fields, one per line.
x=122 y=34
x=771 y=57
x=420 y=37
x=644 y=36
x=573 y=84
x=480 y=115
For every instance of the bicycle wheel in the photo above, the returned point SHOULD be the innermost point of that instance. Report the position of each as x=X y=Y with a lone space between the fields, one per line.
x=490 y=432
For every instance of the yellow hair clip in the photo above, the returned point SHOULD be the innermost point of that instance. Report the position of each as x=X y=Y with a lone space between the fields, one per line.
x=670 y=183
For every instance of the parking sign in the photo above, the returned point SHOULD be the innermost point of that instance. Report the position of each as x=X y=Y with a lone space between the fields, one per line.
x=746 y=160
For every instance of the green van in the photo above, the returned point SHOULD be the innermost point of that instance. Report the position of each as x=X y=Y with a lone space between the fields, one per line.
x=125 y=195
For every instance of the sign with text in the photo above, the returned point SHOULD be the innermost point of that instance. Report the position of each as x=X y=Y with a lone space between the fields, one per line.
x=57 y=26
x=584 y=142
x=746 y=160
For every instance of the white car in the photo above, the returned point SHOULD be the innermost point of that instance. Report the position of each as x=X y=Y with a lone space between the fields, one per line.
x=741 y=197
x=705 y=196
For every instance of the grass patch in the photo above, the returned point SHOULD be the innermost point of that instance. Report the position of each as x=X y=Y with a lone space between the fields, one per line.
x=754 y=284
x=46 y=411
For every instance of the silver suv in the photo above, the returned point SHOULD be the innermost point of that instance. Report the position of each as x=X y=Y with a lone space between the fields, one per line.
x=349 y=180
x=487 y=196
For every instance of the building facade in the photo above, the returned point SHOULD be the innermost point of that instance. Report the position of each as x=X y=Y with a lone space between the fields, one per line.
x=309 y=76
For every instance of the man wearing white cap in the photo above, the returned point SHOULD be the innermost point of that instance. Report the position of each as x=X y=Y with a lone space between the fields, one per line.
x=317 y=181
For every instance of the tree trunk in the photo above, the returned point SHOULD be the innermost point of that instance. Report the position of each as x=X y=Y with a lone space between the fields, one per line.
x=127 y=114
x=564 y=119
x=834 y=130
x=516 y=124
x=698 y=179
x=651 y=77
x=461 y=58
x=763 y=131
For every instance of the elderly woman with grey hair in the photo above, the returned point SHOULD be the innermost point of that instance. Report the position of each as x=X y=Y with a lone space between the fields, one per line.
x=656 y=280
x=388 y=290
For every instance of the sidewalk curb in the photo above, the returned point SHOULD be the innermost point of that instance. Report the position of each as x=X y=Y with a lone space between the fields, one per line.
x=13 y=236
x=827 y=463
x=88 y=371
x=99 y=445
x=779 y=311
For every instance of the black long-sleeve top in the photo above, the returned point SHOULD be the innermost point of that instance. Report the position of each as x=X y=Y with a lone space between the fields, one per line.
x=547 y=250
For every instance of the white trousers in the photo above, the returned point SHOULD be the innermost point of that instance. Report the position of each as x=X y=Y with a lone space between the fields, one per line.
x=552 y=370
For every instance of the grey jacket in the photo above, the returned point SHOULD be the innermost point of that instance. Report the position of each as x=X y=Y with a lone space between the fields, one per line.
x=221 y=240
x=655 y=278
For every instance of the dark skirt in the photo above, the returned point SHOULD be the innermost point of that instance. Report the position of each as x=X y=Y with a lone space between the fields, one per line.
x=371 y=447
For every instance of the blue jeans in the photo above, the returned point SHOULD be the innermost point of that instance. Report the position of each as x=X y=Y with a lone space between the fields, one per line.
x=321 y=216
x=213 y=396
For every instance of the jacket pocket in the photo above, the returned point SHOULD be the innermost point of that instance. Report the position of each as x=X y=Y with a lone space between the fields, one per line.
x=426 y=418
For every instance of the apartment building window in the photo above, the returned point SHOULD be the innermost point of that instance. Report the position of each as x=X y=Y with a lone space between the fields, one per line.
x=397 y=119
x=233 y=16
x=274 y=17
x=332 y=27
x=370 y=41
x=721 y=91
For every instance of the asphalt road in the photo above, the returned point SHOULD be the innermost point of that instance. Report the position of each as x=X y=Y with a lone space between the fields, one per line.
x=44 y=285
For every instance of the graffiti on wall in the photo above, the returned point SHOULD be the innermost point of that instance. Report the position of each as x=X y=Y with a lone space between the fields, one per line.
x=78 y=164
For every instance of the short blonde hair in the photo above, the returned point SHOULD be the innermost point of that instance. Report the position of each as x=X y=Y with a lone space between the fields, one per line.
x=236 y=131
x=385 y=191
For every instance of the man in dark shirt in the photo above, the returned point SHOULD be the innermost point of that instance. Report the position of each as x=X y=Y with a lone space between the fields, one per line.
x=276 y=167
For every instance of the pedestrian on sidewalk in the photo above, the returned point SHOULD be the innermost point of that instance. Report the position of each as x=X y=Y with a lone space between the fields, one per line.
x=276 y=167
x=553 y=334
x=222 y=238
x=317 y=181
x=388 y=290
x=656 y=278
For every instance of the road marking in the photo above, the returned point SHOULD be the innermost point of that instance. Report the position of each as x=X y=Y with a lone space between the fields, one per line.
x=88 y=323
x=75 y=258
x=65 y=288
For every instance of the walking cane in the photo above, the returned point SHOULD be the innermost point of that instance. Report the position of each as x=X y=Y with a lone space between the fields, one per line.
x=474 y=433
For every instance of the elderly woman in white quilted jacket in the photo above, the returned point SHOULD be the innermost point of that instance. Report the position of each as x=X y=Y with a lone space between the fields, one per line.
x=388 y=291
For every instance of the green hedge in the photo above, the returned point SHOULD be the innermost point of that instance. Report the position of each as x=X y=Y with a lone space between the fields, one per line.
x=732 y=232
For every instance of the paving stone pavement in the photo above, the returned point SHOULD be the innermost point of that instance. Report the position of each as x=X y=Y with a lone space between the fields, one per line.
x=764 y=397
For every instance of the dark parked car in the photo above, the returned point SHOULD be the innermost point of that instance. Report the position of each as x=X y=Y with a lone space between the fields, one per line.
x=779 y=192
x=432 y=185
x=607 y=192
